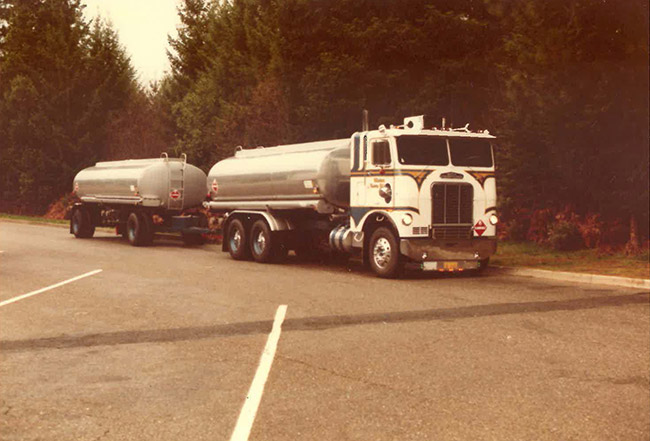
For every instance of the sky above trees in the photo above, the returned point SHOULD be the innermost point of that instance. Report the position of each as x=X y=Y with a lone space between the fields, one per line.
x=143 y=27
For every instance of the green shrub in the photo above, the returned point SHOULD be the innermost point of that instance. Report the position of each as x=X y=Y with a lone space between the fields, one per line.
x=516 y=229
x=565 y=236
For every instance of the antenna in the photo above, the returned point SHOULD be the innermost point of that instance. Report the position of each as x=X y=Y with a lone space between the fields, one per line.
x=364 y=121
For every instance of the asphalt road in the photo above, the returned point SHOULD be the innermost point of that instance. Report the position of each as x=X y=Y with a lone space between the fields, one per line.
x=163 y=345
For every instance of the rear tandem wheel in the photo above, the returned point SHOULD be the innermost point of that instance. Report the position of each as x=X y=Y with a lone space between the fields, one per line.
x=264 y=245
x=237 y=240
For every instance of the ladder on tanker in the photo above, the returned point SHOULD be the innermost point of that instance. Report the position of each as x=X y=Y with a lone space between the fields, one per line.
x=177 y=185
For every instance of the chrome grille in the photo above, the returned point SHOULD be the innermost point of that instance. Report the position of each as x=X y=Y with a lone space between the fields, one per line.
x=452 y=206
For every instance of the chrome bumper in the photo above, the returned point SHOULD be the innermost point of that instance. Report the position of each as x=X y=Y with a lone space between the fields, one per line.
x=435 y=250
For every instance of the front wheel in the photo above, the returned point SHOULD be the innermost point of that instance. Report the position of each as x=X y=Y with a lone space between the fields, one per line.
x=383 y=253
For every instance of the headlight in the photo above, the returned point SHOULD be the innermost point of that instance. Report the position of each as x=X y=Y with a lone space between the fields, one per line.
x=407 y=219
x=494 y=219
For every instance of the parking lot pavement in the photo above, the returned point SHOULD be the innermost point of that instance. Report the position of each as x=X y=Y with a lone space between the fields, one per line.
x=164 y=342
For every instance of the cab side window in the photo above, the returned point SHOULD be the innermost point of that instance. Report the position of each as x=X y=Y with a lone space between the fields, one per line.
x=380 y=153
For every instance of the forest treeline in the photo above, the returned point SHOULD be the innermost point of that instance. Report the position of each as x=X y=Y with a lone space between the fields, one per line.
x=563 y=84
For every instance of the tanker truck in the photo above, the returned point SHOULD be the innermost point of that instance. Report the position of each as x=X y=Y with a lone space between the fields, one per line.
x=407 y=196
x=140 y=197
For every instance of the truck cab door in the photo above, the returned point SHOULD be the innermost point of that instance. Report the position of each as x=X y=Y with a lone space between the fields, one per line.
x=380 y=174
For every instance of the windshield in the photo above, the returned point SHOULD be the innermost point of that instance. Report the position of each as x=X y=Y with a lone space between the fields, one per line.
x=470 y=152
x=422 y=150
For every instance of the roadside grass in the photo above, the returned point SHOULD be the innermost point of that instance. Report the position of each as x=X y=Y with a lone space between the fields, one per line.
x=591 y=261
x=33 y=219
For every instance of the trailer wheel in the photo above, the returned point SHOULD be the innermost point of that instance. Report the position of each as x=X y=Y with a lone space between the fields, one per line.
x=147 y=230
x=262 y=243
x=237 y=240
x=136 y=230
x=383 y=253
x=81 y=225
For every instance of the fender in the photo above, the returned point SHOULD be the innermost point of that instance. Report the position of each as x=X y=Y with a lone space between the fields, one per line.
x=275 y=223
x=380 y=212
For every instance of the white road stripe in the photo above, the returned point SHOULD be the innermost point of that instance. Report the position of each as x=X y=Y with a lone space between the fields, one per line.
x=42 y=290
x=249 y=409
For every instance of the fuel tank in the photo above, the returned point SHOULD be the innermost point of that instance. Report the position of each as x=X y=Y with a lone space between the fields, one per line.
x=283 y=177
x=167 y=183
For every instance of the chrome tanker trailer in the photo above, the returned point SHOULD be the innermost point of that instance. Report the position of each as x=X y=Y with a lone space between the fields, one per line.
x=139 y=197
x=410 y=195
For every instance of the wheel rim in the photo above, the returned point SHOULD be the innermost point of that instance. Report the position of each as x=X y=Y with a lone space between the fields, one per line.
x=259 y=244
x=381 y=252
x=75 y=224
x=131 y=232
x=235 y=240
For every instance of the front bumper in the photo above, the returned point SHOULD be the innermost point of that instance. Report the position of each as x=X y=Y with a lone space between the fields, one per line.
x=440 y=250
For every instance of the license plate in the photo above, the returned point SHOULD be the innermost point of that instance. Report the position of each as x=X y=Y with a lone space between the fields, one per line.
x=450 y=265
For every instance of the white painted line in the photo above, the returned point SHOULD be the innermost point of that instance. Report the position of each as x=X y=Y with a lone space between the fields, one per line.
x=42 y=290
x=249 y=409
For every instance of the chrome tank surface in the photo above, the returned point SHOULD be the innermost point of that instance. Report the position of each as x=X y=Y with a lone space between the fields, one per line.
x=167 y=183
x=291 y=173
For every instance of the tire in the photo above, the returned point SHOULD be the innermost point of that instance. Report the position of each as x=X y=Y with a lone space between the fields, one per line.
x=262 y=245
x=237 y=240
x=136 y=230
x=383 y=253
x=148 y=230
x=81 y=224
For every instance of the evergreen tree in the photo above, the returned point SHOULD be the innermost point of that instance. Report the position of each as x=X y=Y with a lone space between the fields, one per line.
x=62 y=82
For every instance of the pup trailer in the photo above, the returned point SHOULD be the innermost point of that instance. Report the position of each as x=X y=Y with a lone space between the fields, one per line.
x=411 y=195
x=140 y=197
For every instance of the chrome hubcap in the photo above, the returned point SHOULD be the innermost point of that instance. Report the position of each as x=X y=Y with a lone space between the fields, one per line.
x=260 y=242
x=235 y=241
x=131 y=233
x=381 y=252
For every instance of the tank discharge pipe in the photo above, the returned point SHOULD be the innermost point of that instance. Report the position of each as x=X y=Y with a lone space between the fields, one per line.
x=341 y=239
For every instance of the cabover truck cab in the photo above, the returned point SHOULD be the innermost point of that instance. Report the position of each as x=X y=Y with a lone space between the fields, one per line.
x=410 y=196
